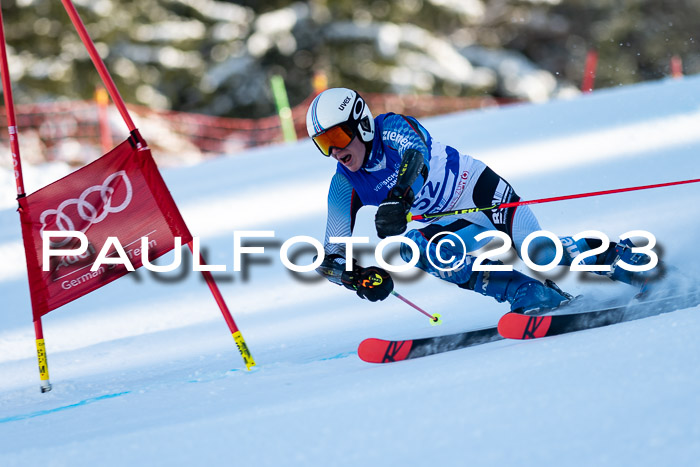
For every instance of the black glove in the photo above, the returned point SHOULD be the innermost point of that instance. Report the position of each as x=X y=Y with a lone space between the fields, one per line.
x=372 y=283
x=392 y=214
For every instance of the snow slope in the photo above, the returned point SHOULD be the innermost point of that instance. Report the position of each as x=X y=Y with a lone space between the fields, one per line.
x=146 y=373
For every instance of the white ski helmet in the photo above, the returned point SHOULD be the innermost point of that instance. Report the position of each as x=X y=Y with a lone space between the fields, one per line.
x=339 y=107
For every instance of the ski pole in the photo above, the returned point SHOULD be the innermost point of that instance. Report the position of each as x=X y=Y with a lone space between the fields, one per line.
x=416 y=217
x=435 y=319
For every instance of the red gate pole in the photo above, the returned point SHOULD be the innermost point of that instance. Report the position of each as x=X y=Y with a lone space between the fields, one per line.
x=119 y=102
x=19 y=182
x=237 y=336
x=99 y=64
x=676 y=67
x=589 y=71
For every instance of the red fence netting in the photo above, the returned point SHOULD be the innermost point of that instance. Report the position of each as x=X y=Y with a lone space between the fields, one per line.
x=70 y=131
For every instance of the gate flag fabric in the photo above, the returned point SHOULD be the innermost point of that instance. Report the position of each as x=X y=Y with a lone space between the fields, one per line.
x=121 y=195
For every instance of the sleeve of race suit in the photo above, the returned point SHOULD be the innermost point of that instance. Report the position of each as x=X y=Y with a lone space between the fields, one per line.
x=410 y=139
x=343 y=204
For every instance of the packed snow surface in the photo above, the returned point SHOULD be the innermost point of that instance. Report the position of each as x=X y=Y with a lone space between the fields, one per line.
x=145 y=371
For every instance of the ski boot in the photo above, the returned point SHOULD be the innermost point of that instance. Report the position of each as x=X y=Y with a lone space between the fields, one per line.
x=525 y=294
x=654 y=279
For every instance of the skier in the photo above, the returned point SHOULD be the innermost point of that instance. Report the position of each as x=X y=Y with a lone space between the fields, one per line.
x=393 y=162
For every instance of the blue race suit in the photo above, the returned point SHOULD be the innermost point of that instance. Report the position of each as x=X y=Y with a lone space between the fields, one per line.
x=450 y=181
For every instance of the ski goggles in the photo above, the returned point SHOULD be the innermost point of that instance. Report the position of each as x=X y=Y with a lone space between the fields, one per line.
x=338 y=136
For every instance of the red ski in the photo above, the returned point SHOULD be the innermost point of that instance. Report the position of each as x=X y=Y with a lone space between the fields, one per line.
x=385 y=351
x=519 y=326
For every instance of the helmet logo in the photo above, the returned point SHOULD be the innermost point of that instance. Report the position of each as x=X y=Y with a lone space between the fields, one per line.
x=357 y=110
x=364 y=124
x=344 y=103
